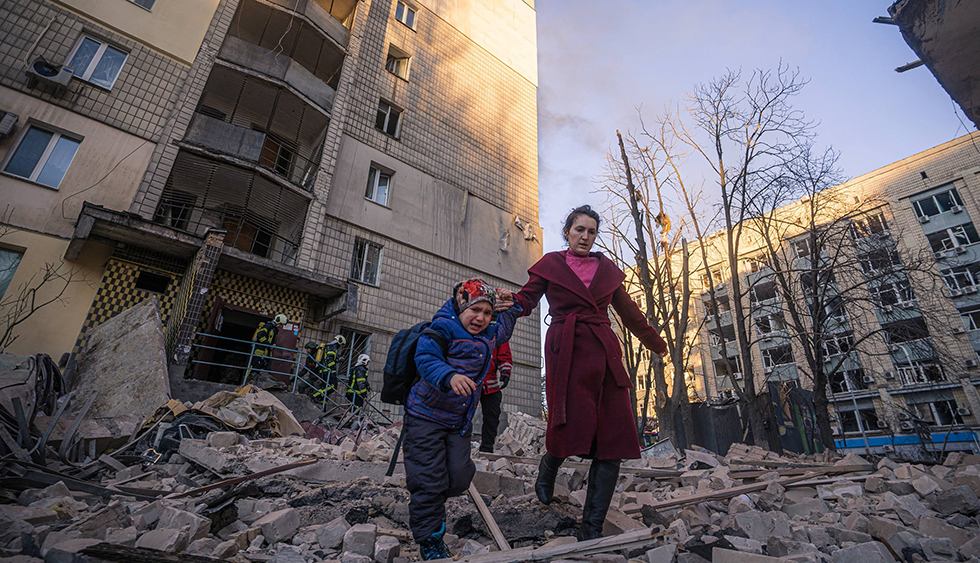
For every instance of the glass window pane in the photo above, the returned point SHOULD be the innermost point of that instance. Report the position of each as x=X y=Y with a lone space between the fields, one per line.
x=944 y=201
x=928 y=207
x=108 y=68
x=381 y=195
x=58 y=162
x=371 y=263
x=83 y=56
x=410 y=18
x=372 y=178
x=9 y=260
x=400 y=12
x=28 y=153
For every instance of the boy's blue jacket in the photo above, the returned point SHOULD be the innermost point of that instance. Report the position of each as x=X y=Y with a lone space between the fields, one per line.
x=431 y=398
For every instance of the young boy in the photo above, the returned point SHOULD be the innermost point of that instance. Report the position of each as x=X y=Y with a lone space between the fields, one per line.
x=440 y=406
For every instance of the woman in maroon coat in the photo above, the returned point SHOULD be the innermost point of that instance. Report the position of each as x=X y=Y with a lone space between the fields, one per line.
x=586 y=384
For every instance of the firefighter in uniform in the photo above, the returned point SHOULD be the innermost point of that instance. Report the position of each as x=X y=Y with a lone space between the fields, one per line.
x=326 y=359
x=359 y=385
x=264 y=337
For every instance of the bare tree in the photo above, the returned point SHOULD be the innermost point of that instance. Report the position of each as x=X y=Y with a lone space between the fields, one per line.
x=638 y=214
x=46 y=286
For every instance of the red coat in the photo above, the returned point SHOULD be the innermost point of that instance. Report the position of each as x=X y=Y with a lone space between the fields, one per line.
x=586 y=384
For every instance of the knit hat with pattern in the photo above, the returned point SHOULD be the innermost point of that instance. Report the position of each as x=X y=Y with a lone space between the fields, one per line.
x=472 y=291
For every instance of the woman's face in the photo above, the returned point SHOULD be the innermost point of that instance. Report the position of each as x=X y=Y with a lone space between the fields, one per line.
x=581 y=235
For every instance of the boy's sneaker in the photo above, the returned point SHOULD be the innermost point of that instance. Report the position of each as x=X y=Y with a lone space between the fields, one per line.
x=433 y=547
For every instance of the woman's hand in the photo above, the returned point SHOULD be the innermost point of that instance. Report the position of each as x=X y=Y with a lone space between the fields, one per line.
x=505 y=299
x=462 y=385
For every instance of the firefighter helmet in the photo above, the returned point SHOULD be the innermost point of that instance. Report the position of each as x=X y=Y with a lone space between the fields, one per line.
x=280 y=319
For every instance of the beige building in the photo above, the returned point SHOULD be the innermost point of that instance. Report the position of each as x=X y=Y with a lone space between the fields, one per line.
x=339 y=161
x=911 y=381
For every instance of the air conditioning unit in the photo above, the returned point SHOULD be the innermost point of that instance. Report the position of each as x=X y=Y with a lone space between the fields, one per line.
x=904 y=416
x=889 y=375
x=970 y=363
x=907 y=425
x=888 y=448
x=868 y=379
x=907 y=304
x=960 y=250
x=886 y=308
x=957 y=209
x=767 y=370
x=959 y=329
x=8 y=124
x=709 y=318
x=53 y=77
x=835 y=430
x=970 y=289
x=882 y=424
x=923 y=219
x=737 y=376
x=892 y=349
x=963 y=411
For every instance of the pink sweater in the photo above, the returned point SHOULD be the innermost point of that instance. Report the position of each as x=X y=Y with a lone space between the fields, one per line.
x=584 y=266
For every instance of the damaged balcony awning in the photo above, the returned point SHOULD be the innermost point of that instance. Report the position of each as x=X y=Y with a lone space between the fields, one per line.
x=98 y=224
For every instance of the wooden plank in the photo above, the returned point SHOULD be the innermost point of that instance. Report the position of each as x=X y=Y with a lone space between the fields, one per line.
x=734 y=491
x=629 y=540
x=790 y=471
x=113 y=552
x=481 y=507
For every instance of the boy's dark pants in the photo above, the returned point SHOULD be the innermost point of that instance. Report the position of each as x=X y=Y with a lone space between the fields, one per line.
x=437 y=466
x=490 y=402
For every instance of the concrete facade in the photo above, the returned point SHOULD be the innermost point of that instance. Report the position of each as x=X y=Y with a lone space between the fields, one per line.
x=897 y=387
x=252 y=130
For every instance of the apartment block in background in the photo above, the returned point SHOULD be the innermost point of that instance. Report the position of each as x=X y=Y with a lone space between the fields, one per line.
x=342 y=162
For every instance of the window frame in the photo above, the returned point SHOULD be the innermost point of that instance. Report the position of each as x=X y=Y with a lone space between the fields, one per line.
x=388 y=113
x=402 y=60
x=955 y=198
x=371 y=192
x=12 y=263
x=56 y=134
x=150 y=9
x=408 y=12
x=365 y=246
x=96 y=59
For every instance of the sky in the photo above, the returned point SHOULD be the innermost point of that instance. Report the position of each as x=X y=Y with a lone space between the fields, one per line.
x=599 y=61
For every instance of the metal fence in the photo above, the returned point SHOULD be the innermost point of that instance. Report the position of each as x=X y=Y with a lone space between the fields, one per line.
x=303 y=378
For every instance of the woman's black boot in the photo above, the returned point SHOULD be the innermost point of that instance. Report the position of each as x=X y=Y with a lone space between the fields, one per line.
x=544 y=486
x=603 y=476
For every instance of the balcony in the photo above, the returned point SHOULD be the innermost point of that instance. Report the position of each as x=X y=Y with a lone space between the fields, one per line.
x=257 y=123
x=306 y=56
x=260 y=216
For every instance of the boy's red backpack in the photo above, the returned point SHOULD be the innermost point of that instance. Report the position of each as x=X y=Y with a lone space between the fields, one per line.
x=400 y=372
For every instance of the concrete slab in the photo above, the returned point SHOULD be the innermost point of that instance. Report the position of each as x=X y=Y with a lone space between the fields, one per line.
x=125 y=361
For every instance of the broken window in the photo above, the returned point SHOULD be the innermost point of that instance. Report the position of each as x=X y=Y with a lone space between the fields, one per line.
x=936 y=204
x=758 y=263
x=880 y=259
x=953 y=237
x=906 y=330
x=357 y=343
x=938 y=413
x=962 y=277
x=837 y=344
x=778 y=356
x=96 y=62
x=844 y=381
x=366 y=262
x=767 y=324
x=397 y=62
x=802 y=248
x=152 y=282
x=869 y=225
x=721 y=370
x=970 y=317
x=866 y=416
x=916 y=372
x=388 y=118
x=762 y=292
x=892 y=293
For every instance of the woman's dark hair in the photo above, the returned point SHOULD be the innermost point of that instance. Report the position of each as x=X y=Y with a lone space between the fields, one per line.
x=581 y=210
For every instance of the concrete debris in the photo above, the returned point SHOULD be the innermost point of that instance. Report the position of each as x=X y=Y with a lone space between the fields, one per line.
x=234 y=476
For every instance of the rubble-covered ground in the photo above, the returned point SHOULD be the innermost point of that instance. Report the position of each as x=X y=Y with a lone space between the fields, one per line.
x=340 y=506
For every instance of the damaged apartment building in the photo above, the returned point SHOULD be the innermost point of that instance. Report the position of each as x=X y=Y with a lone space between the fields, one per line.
x=341 y=162
x=901 y=341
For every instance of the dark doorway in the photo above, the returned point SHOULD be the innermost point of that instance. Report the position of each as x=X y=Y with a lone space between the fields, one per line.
x=236 y=329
